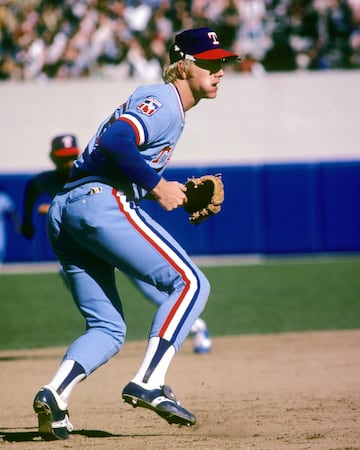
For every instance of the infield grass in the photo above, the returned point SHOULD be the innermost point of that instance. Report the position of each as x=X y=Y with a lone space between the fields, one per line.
x=280 y=295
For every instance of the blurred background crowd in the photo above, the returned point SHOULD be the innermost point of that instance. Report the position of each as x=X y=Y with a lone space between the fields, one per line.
x=45 y=39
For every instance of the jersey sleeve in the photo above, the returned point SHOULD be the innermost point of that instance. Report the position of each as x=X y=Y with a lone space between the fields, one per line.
x=150 y=116
x=119 y=145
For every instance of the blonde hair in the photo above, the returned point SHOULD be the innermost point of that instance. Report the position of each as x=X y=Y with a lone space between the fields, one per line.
x=171 y=73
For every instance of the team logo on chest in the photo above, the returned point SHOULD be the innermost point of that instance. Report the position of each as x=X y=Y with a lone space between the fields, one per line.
x=149 y=106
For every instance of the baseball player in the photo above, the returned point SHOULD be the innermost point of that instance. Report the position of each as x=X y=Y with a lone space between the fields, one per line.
x=96 y=224
x=45 y=185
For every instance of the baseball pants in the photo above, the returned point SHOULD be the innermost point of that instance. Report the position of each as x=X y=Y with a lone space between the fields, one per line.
x=94 y=229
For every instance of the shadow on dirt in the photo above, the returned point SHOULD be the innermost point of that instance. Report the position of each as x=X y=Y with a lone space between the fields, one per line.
x=29 y=436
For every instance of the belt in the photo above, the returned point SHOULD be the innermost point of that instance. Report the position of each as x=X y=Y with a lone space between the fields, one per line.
x=73 y=183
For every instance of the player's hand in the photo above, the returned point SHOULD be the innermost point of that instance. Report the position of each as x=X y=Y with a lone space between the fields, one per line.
x=170 y=194
x=43 y=208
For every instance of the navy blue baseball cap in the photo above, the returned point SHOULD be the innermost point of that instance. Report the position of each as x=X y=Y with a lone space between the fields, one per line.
x=199 y=43
x=64 y=145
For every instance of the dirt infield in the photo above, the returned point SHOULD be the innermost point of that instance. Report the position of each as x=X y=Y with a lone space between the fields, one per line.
x=287 y=391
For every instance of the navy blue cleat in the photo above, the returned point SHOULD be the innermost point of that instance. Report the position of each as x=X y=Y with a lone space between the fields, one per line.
x=161 y=400
x=52 y=414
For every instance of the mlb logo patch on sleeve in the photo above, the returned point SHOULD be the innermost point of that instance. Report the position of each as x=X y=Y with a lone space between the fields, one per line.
x=149 y=106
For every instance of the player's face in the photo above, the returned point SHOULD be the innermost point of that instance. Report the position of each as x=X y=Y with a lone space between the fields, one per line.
x=64 y=164
x=205 y=78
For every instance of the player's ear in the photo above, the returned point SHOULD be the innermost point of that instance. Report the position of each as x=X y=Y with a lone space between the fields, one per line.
x=181 y=66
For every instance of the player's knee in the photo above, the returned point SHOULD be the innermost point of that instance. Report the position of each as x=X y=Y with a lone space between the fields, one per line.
x=204 y=286
x=119 y=337
x=117 y=334
x=198 y=282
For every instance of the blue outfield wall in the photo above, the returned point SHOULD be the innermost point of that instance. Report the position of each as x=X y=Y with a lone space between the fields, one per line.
x=269 y=209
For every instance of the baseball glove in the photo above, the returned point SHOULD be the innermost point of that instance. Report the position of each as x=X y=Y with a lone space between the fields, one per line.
x=204 y=197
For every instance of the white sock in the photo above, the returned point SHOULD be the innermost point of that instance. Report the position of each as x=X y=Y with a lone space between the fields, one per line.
x=156 y=362
x=69 y=372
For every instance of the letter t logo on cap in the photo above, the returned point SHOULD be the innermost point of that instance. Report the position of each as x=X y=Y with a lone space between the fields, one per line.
x=213 y=37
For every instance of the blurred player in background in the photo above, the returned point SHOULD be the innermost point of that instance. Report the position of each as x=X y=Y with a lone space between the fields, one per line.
x=64 y=150
x=96 y=224
x=7 y=210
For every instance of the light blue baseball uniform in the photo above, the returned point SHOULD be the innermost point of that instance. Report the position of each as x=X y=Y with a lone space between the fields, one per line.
x=96 y=225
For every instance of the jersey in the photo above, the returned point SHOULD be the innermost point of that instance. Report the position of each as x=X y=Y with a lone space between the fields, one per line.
x=42 y=187
x=156 y=115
